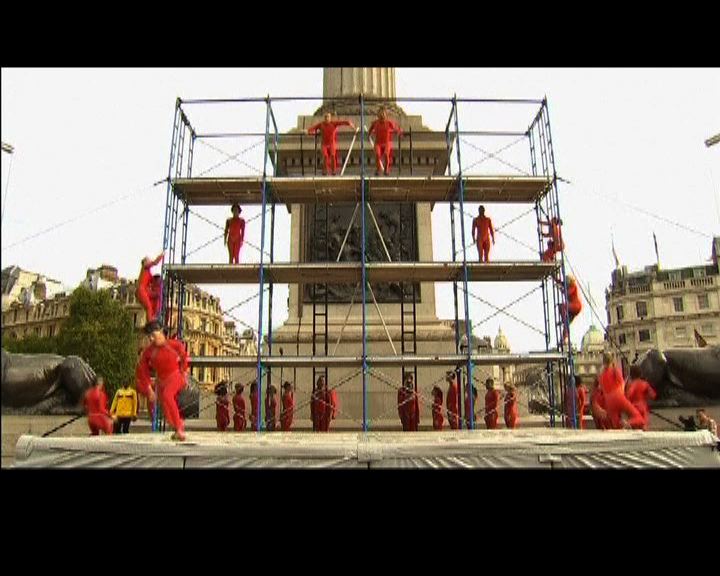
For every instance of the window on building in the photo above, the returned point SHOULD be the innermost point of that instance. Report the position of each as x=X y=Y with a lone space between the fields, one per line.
x=622 y=339
x=703 y=302
x=644 y=335
x=14 y=315
x=675 y=275
x=678 y=304
x=641 y=309
x=37 y=331
x=51 y=330
x=699 y=272
x=620 y=312
x=680 y=332
x=707 y=330
x=135 y=319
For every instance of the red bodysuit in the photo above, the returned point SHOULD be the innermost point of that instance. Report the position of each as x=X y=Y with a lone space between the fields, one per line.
x=97 y=411
x=638 y=393
x=270 y=412
x=383 y=130
x=408 y=409
x=321 y=410
x=511 y=410
x=170 y=362
x=222 y=412
x=239 y=413
x=597 y=406
x=329 y=142
x=437 y=411
x=483 y=226
x=253 y=410
x=288 y=409
x=616 y=404
x=452 y=403
x=492 y=397
x=235 y=237
x=142 y=291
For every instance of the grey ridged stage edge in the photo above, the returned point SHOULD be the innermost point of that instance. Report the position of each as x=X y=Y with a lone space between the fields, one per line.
x=549 y=449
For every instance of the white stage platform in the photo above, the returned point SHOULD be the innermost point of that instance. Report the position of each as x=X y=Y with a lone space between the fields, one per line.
x=549 y=449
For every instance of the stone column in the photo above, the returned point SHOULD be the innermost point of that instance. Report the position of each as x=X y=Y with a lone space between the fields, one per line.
x=351 y=82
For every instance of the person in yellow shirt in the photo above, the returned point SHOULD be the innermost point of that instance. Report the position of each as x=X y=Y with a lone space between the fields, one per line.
x=124 y=407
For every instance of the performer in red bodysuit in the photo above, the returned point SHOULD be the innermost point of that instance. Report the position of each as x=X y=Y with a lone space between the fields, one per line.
x=511 y=407
x=142 y=291
x=408 y=405
x=437 y=408
x=554 y=233
x=169 y=359
x=574 y=304
x=638 y=392
x=482 y=231
x=383 y=129
x=271 y=408
x=597 y=407
x=253 y=405
x=288 y=407
x=235 y=234
x=96 y=407
x=222 y=407
x=452 y=401
x=238 y=409
x=492 y=397
x=616 y=404
x=328 y=128
x=322 y=406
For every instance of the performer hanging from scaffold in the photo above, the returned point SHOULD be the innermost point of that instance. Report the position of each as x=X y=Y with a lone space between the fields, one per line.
x=328 y=128
x=555 y=242
x=143 y=290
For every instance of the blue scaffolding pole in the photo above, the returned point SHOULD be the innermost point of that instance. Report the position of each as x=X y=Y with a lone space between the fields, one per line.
x=468 y=330
x=258 y=406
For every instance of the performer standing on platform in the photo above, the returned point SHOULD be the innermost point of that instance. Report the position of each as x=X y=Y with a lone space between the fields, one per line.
x=253 y=405
x=328 y=128
x=322 y=407
x=142 y=291
x=271 y=408
x=383 y=129
x=616 y=404
x=638 y=392
x=408 y=405
x=222 y=407
x=511 y=405
x=238 y=409
x=169 y=359
x=492 y=398
x=97 y=411
x=235 y=234
x=288 y=407
x=452 y=401
x=437 y=408
x=482 y=231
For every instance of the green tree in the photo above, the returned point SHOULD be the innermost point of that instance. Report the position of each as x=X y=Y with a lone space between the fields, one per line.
x=100 y=331
x=32 y=344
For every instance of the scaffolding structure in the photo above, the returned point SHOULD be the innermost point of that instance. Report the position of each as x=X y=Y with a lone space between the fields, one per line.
x=540 y=189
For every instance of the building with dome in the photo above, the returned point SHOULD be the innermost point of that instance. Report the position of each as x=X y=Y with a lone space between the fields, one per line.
x=588 y=361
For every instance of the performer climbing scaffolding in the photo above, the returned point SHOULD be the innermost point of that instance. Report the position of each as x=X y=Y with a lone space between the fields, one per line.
x=235 y=234
x=383 y=129
x=143 y=287
x=574 y=304
x=328 y=128
x=482 y=231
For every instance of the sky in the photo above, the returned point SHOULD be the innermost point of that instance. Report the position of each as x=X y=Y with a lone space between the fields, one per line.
x=90 y=144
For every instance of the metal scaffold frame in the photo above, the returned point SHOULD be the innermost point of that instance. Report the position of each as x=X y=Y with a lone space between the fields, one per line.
x=540 y=189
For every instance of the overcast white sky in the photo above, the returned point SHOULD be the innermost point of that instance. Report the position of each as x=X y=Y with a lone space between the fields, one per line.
x=624 y=138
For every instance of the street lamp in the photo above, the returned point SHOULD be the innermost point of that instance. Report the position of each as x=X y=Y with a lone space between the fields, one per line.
x=10 y=149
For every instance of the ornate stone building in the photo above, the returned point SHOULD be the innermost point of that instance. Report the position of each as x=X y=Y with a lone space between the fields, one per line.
x=656 y=308
x=205 y=330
